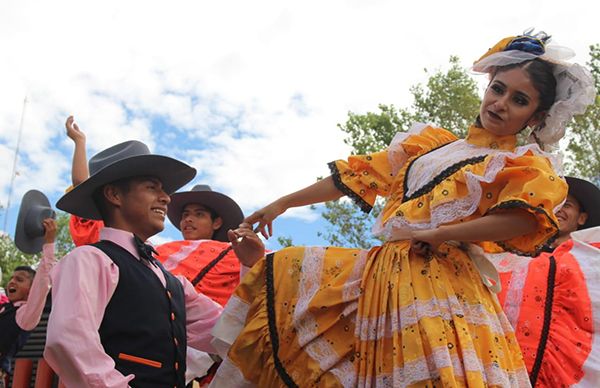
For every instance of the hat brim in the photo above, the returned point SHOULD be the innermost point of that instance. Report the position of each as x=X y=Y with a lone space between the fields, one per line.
x=588 y=196
x=172 y=173
x=226 y=208
x=26 y=243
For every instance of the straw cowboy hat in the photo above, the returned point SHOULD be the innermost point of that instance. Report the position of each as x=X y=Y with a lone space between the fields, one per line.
x=125 y=160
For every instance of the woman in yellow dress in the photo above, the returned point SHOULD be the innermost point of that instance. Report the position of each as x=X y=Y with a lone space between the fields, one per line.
x=418 y=310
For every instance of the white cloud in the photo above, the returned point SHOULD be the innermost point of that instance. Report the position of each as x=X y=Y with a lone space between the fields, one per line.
x=254 y=88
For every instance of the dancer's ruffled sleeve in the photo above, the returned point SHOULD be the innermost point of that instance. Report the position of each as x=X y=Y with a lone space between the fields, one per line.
x=364 y=177
x=526 y=183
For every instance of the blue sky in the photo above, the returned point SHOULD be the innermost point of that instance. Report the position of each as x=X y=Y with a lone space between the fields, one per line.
x=249 y=93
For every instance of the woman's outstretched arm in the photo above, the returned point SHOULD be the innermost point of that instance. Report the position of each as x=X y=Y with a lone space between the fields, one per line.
x=321 y=191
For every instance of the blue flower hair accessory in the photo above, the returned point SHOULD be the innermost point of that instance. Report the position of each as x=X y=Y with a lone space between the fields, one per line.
x=575 y=88
x=533 y=44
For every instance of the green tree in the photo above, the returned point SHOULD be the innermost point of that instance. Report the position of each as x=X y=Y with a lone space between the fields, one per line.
x=285 y=241
x=448 y=99
x=583 y=156
x=11 y=257
x=64 y=243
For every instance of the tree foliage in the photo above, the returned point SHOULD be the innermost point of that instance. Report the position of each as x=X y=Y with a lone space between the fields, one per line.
x=583 y=156
x=11 y=257
x=448 y=99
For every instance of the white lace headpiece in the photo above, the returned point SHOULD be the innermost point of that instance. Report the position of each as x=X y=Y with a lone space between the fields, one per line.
x=574 y=83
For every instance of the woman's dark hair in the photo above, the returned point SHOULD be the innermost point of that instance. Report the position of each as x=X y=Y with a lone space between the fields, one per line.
x=541 y=74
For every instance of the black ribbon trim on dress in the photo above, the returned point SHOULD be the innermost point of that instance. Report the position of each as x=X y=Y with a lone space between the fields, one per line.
x=288 y=381
x=405 y=183
x=337 y=181
x=438 y=178
x=210 y=266
x=517 y=204
x=539 y=357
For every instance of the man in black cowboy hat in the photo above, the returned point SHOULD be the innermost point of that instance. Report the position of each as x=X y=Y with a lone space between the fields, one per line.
x=27 y=289
x=548 y=299
x=119 y=318
x=203 y=216
x=581 y=209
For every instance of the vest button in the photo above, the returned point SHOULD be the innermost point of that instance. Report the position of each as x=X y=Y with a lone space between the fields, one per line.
x=172 y=316
x=169 y=294
x=176 y=366
x=176 y=342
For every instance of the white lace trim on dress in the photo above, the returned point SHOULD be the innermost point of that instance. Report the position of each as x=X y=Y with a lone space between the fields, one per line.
x=396 y=155
x=229 y=376
x=306 y=325
x=175 y=258
x=426 y=368
x=587 y=257
x=518 y=266
x=383 y=326
x=427 y=167
x=230 y=324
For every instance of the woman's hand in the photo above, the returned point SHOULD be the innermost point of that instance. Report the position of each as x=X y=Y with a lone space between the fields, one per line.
x=265 y=217
x=73 y=130
x=247 y=246
x=426 y=242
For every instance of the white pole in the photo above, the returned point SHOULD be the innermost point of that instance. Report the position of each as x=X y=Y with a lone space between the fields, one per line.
x=14 y=169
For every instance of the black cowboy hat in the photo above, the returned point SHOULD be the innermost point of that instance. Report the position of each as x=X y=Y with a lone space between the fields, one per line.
x=29 y=232
x=225 y=207
x=125 y=160
x=588 y=196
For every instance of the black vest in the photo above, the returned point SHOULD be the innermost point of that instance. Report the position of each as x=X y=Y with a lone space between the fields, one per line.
x=143 y=328
x=9 y=330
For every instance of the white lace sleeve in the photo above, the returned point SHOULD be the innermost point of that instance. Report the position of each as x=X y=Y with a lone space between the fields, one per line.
x=396 y=155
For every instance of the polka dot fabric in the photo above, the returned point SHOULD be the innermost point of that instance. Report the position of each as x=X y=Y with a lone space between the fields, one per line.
x=385 y=317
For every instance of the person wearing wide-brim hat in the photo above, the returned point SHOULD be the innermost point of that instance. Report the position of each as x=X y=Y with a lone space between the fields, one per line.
x=204 y=256
x=550 y=299
x=119 y=318
x=224 y=210
x=27 y=289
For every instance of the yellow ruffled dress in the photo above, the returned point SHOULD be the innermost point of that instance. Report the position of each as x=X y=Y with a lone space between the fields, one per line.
x=339 y=317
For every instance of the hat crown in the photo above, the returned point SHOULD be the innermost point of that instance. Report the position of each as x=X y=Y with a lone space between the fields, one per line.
x=33 y=220
x=201 y=188
x=29 y=231
x=117 y=153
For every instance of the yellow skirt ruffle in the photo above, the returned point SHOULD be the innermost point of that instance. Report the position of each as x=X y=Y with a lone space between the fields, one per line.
x=342 y=317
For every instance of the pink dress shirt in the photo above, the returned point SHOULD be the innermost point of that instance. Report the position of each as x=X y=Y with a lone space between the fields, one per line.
x=30 y=311
x=83 y=284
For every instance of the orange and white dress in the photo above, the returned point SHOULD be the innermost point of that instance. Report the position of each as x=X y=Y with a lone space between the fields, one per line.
x=553 y=302
x=191 y=257
x=386 y=317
